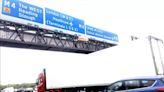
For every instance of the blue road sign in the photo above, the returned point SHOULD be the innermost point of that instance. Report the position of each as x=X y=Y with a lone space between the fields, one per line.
x=60 y=20
x=98 y=33
x=22 y=10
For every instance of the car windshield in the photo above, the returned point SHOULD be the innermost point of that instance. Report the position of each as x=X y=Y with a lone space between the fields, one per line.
x=116 y=86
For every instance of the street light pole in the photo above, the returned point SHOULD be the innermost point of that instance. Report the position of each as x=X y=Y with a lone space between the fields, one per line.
x=150 y=38
x=160 y=54
x=153 y=56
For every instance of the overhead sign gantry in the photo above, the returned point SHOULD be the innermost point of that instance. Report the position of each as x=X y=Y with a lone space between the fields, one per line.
x=40 y=27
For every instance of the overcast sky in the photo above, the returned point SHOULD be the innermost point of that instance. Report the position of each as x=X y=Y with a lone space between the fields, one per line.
x=123 y=17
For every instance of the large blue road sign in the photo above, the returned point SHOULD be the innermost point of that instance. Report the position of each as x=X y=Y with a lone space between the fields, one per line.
x=98 y=33
x=60 y=20
x=22 y=10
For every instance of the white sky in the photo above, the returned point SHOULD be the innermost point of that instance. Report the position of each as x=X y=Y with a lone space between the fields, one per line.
x=124 y=17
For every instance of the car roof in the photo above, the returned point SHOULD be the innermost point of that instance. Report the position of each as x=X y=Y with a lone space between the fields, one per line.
x=145 y=77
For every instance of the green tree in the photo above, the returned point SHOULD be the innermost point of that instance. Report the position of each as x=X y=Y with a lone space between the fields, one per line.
x=17 y=86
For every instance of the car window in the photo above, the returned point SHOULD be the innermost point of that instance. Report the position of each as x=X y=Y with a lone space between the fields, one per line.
x=132 y=84
x=162 y=80
x=118 y=86
x=147 y=83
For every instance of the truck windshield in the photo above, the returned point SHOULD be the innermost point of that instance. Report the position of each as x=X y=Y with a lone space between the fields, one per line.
x=37 y=81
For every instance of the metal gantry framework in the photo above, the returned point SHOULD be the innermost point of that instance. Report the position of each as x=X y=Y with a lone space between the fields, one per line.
x=150 y=38
x=24 y=36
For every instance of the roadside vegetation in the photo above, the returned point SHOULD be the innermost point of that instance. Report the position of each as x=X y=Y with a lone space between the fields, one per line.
x=17 y=86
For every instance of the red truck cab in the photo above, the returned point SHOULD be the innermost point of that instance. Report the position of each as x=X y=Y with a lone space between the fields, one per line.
x=41 y=84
